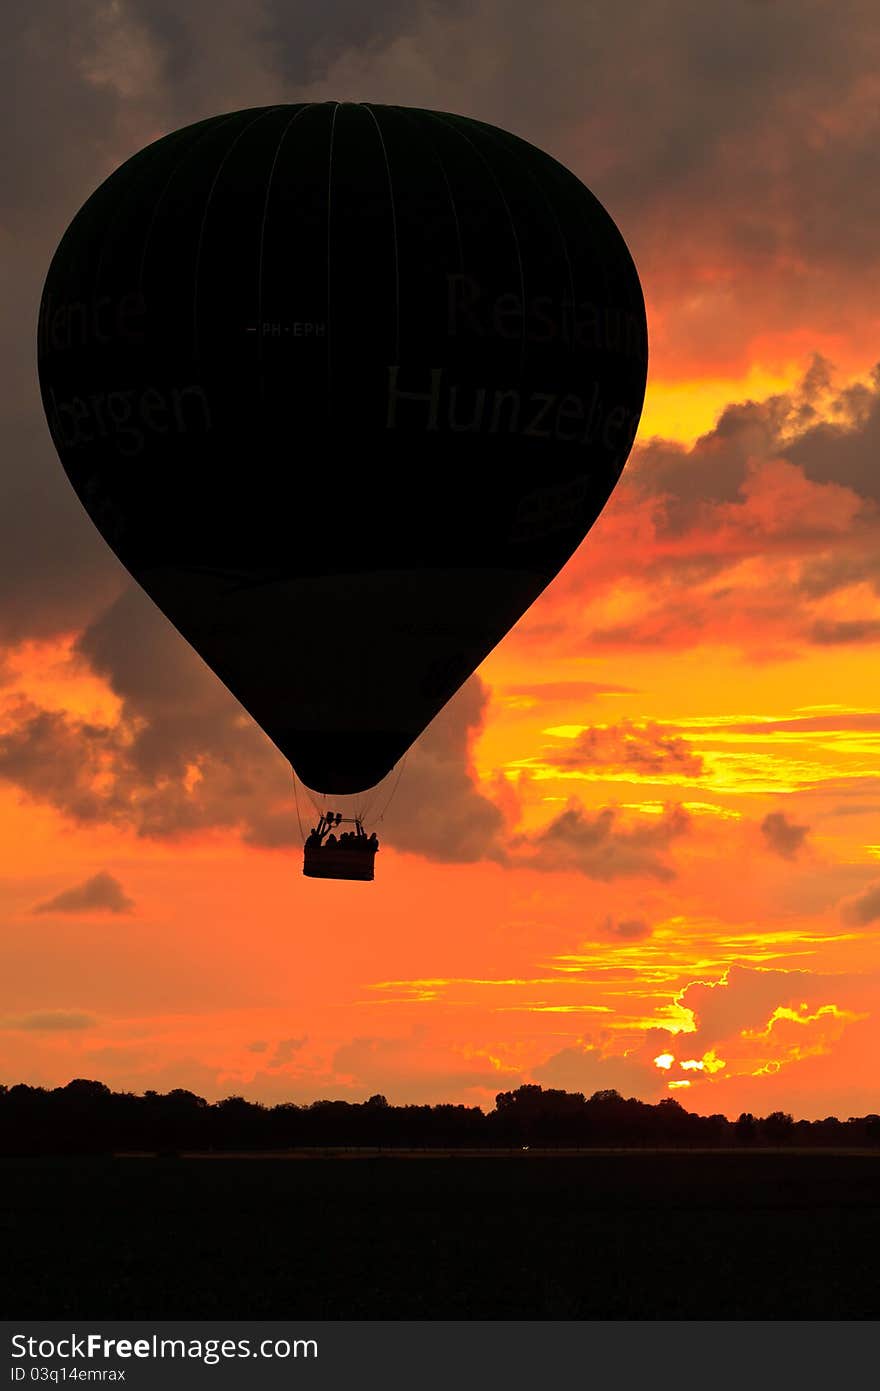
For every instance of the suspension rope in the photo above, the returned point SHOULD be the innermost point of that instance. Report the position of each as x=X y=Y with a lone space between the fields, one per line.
x=361 y=814
x=296 y=800
x=365 y=807
x=381 y=816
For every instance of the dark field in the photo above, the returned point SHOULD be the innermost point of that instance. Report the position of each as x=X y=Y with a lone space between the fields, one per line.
x=643 y=1235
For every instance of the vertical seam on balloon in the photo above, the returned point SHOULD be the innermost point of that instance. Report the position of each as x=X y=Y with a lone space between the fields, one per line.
x=562 y=237
x=336 y=106
x=565 y=176
x=281 y=140
x=436 y=153
x=394 y=232
x=210 y=127
x=394 y=228
x=117 y=208
x=120 y=205
x=522 y=282
x=195 y=319
x=599 y=258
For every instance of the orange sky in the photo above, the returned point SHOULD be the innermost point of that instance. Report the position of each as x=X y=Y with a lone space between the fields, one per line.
x=705 y=899
x=651 y=828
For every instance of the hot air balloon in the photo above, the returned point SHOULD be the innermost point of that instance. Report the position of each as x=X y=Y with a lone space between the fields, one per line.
x=343 y=386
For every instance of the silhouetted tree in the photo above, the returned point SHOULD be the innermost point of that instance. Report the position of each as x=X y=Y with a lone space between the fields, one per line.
x=746 y=1128
x=86 y=1117
x=777 y=1128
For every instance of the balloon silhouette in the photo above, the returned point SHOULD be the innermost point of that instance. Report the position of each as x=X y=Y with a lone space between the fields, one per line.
x=343 y=386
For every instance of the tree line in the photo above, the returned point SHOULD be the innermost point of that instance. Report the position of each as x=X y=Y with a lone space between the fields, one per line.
x=86 y=1117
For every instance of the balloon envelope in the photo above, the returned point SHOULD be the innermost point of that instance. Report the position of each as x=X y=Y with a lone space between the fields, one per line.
x=343 y=386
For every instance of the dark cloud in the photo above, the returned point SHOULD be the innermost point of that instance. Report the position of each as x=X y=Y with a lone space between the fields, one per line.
x=625 y=929
x=184 y=756
x=62 y=130
x=693 y=481
x=719 y=468
x=597 y=847
x=55 y=758
x=284 y=1051
x=830 y=633
x=53 y=101
x=803 y=724
x=690 y=124
x=782 y=836
x=304 y=41
x=830 y=570
x=85 y=84
x=845 y=452
x=700 y=108
x=734 y=149
x=438 y=809
x=692 y=528
x=55 y=570
x=614 y=929
x=173 y=37
x=643 y=750
x=102 y=893
x=50 y=1021
x=863 y=908
x=668 y=113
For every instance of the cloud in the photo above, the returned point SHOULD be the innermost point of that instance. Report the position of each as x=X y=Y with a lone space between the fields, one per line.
x=782 y=836
x=845 y=450
x=744 y=999
x=595 y=845
x=720 y=188
x=835 y=632
x=833 y=720
x=586 y=1067
x=731 y=542
x=87 y=84
x=284 y=1051
x=413 y=1069
x=102 y=893
x=748 y=1025
x=62 y=130
x=644 y=750
x=183 y=756
x=863 y=908
x=720 y=109
x=304 y=43
x=50 y=1021
x=438 y=809
x=625 y=929
x=548 y=692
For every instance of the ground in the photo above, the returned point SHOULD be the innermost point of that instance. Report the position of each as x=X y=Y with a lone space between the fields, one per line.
x=645 y=1235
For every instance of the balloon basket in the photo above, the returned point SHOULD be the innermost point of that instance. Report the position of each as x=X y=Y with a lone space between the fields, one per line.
x=324 y=863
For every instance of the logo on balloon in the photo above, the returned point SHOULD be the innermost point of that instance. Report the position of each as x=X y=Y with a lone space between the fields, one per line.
x=564 y=416
x=543 y=319
x=126 y=417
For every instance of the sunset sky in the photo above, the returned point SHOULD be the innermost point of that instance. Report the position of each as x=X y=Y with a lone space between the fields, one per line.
x=641 y=847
